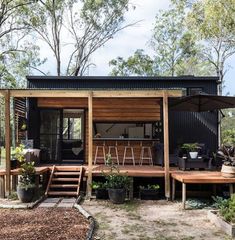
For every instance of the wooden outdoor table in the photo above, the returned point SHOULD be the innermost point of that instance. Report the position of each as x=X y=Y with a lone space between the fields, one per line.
x=199 y=178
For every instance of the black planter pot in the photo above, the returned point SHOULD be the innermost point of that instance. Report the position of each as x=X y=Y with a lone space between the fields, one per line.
x=117 y=196
x=14 y=164
x=25 y=195
x=149 y=194
x=101 y=194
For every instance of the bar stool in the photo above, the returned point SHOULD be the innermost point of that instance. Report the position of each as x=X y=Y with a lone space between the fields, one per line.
x=145 y=154
x=100 y=149
x=131 y=157
x=114 y=149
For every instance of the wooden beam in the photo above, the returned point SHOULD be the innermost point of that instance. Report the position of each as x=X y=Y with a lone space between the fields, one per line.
x=166 y=144
x=96 y=94
x=90 y=143
x=8 y=142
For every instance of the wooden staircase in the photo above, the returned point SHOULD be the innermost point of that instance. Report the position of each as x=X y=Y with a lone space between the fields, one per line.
x=64 y=181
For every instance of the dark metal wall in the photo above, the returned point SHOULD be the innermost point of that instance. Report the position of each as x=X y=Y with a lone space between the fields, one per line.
x=183 y=126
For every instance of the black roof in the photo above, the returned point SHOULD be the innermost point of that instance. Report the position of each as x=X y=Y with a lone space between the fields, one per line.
x=208 y=84
x=124 y=78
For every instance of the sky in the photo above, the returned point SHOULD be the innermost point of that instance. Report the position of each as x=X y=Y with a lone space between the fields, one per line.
x=128 y=40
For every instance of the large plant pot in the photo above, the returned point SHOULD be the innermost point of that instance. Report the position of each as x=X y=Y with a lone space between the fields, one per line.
x=193 y=155
x=228 y=171
x=25 y=195
x=149 y=194
x=101 y=194
x=117 y=196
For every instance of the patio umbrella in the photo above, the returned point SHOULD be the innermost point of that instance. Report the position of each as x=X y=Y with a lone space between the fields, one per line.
x=201 y=103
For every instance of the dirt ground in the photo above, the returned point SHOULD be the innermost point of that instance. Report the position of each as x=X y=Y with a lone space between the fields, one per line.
x=158 y=220
x=42 y=223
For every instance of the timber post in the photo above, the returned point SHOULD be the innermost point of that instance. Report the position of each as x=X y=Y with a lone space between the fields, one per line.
x=90 y=143
x=166 y=144
x=8 y=142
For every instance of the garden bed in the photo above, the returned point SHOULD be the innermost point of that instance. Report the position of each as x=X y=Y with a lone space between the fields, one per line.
x=222 y=224
x=41 y=223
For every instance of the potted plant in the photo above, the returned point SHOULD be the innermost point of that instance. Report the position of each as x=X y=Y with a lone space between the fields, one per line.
x=226 y=153
x=117 y=183
x=26 y=185
x=191 y=148
x=100 y=188
x=149 y=192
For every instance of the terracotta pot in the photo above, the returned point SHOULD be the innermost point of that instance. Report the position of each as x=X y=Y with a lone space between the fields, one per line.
x=228 y=171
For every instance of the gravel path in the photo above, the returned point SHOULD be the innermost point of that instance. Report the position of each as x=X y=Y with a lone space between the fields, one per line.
x=159 y=220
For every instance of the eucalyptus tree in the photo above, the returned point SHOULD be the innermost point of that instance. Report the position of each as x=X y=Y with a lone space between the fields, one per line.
x=15 y=50
x=140 y=64
x=214 y=23
x=76 y=29
x=175 y=48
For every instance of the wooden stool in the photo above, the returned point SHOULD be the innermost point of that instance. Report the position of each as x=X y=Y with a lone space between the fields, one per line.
x=131 y=157
x=102 y=149
x=114 y=149
x=146 y=150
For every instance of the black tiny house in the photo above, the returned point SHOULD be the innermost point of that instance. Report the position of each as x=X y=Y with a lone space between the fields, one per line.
x=183 y=126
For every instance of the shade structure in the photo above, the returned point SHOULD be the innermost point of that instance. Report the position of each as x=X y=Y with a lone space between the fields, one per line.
x=201 y=103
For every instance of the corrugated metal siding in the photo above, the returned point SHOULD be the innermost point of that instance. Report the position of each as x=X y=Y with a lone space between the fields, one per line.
x=184 y=126
x=208 y=86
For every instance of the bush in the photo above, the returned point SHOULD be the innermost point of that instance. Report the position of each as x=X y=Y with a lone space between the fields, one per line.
x=226 y=208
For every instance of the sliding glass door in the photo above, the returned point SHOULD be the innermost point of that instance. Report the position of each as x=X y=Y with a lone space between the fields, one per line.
x=50 y=135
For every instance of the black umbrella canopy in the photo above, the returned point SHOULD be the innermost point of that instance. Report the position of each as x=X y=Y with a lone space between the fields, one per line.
x=201 y=103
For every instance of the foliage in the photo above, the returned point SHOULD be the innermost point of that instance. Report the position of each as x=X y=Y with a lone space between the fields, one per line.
x=190 y=147
x=139 y=64
x=150 y=187
x=98 y=185
x=227 y=154
x=213 y=21
x=226 y=208
x=228 y=137
x=27 y=169
x=87 y=24
x=175 y=46
x=17 y=54
x=114 y=179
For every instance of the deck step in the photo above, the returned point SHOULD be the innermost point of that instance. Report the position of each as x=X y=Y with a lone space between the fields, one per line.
x=65 y=179
x=63 y=185
x=62 y=193
x=61 y=182
x=66 y=173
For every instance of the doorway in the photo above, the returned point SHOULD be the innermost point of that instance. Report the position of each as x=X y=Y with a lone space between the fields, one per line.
x=62 y=136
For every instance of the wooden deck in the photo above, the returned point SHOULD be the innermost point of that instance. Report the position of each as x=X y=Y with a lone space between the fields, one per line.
x=198 y=177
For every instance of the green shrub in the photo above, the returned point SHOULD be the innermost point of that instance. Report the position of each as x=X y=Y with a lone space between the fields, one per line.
x=226 y=208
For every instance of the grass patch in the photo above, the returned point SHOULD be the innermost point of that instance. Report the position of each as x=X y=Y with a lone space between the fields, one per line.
x=130 y=228
x=165 y=223
x=129 y=206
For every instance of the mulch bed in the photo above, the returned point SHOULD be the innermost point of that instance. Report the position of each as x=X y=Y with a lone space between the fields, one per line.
x=42 y=223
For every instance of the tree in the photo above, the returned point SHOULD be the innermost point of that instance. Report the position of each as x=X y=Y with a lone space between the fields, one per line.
x=176 y=51
x=15 y=51
x=214 y=23
x=139 y=64
x=88 y=25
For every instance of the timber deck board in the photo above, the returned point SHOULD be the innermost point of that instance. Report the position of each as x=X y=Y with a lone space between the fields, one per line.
x=201 y=177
